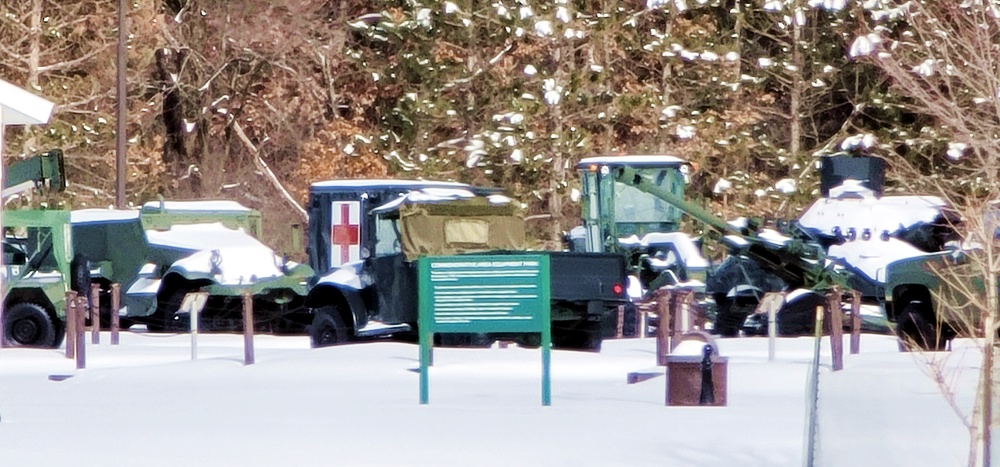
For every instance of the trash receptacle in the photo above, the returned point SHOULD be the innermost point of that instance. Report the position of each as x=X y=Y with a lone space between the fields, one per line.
x=694 y=379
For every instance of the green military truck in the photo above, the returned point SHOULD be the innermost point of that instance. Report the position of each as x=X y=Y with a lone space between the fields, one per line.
x=37 y=255
x=177 y=247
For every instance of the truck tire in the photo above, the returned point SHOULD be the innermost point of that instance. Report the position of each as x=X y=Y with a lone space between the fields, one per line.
x=916 y=329
x=79 y=278
x=29 y=325
x=327 y=328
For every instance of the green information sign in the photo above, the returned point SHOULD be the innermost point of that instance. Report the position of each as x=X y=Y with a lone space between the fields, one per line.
x=484 y=294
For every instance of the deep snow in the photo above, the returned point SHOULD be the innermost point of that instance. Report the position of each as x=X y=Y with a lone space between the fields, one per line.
x=145 y=403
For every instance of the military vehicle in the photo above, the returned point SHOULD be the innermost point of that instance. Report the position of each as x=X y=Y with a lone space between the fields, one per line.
x=633 y=205
x=36 y=257
x=177 y=247
x=364 y=236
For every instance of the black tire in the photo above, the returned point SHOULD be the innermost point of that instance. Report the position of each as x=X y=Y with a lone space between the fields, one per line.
x=327 y=328
x=79 y=278
x=166 y=318
x=29 y=325
x=916 y=330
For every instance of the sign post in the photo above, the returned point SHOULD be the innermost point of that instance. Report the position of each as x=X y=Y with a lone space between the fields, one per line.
x=484 y=294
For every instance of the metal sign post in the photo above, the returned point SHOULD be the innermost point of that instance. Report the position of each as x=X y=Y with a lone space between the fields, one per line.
x=484 y=294
x=193 y=303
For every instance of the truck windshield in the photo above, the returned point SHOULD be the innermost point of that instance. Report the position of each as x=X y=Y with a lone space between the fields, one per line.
x=633 y=205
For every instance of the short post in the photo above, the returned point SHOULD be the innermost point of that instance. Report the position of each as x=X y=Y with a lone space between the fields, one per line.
x=707 y=396
x=81 y=325
x=770 y=304
x=248 y=353
x=855 y=322
x=70 y=324
x=116 y=290
x=620 y=327
x=193 y=314
x=685 y=325
x=95 y=313
x=677 y=309
x=836 y=328
x=663 y=298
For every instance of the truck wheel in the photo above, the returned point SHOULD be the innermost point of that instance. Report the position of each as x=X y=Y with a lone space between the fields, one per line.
x=27 y=324
x=916 y=330
x=327 y=328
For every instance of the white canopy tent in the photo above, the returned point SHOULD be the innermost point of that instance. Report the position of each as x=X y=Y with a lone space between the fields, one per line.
x=17 y=107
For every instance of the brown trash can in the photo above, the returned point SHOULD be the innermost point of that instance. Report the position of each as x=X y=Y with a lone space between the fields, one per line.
x=684 y=380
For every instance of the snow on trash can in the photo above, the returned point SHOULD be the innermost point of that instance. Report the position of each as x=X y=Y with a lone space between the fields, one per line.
x=696 y=373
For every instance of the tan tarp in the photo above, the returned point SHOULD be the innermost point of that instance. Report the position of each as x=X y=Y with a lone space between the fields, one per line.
x=455 y=227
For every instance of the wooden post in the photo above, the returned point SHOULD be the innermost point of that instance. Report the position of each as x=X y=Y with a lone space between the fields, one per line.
x=677 y=310
x=81 y=325
x=116 y=290
x=248 y=329
x=836 y=328
x=70 y=324
x=95 y=313
x=663 y=327
x=855 y=322
x=620 y=327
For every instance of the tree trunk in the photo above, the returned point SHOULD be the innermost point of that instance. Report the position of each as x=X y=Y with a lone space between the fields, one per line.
x=175 y=154
x=796 y=92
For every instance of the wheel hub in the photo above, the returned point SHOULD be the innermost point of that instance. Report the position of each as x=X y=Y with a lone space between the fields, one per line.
x=25 y=330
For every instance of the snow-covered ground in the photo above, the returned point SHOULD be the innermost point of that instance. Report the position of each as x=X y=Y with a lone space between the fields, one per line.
x=145 y=403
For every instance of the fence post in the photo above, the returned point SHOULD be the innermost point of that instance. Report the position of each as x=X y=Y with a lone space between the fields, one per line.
x=95 y=313
x=663 y=308
x=116 y=290
x=836 y=328
x=81 y=325
x=70 y=324
x=855 y=322
x=248 y=329
x=677 y=310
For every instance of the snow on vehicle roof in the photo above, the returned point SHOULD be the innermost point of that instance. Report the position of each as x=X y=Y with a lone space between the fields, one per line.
x=202 y=237
x=871 y=257
x=436 y=195
x=232 y=265
x=383 y=183
x=212 y=205
x=684 y=243
x=635 y=160
x=888 y=213
x=89 y=216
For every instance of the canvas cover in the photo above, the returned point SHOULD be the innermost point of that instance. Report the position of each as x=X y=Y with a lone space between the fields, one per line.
x=459 y=226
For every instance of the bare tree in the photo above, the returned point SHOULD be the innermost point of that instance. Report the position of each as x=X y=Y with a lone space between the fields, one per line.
x=943 y=56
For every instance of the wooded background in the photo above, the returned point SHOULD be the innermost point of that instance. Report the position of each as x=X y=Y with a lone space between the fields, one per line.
x=509 y=93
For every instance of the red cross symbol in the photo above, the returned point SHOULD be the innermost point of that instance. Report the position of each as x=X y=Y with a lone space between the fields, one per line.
x=346 y=231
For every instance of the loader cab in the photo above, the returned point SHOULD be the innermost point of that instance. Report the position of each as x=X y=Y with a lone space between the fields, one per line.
x=614 y=210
